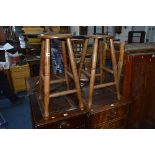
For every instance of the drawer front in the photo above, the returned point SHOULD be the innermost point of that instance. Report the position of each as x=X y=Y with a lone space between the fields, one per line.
x=77 y=122
x=19 y=84
x=118 y=124
x=17 y=69
x=96 y=119
x=20 y=75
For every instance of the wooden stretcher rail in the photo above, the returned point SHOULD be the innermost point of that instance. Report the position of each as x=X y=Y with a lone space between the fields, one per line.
x=57 y=81
x=70 y=75
x=108 y=70
x=67 y=92
x=104 y=85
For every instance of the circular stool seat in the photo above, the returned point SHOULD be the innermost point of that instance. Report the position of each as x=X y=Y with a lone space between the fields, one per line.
x=97 y=36
x=54 y=36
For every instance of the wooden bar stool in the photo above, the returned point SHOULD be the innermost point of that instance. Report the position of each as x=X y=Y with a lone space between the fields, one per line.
x=99 y=51
x=45 y=82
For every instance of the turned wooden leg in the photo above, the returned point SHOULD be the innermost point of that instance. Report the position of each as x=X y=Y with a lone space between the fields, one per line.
x=47 y=78
x=93 y=71
x=114 y=66
x=104 y=57
x=75 y=74
x=101 y=60
x=64 y=56
x=120 y=61
x=41 y=68
x=83 y=54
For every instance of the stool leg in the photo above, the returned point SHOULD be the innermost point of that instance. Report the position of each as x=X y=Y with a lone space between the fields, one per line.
x=83 y=54
x=104 y=58
x=114 y=65
x=47 y=77
x=93 y=71
x=120 y=62
x=41 y=68
x=101 y=61
x=65 y=63
x=75 y=74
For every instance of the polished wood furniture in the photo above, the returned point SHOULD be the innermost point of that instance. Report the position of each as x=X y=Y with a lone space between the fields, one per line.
x=108 y=111
x=139 y=84
x=70 y=72
x=100 y=48
x=62 y=114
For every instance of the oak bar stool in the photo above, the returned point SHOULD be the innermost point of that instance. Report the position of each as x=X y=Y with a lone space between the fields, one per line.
x=45 y=82
x=99 y=48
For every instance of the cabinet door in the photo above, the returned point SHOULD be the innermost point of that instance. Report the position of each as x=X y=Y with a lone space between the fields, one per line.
x=138 y=90
x=149 y=107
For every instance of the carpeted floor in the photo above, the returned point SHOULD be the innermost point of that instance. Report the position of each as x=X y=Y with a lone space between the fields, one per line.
x=16 y=116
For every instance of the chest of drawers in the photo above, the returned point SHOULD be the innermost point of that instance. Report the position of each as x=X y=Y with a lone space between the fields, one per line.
x=109 y=116
x=108 y=112
x=18 y=75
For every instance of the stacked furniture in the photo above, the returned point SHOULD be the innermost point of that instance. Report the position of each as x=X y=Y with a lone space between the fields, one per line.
x=53 y=106
x=31 y=32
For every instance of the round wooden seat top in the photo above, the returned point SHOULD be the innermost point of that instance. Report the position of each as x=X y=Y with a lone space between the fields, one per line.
x=54 y=36
x=98 y=36
x=78 y=38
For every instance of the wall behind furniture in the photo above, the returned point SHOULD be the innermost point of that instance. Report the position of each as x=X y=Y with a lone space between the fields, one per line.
x=123 y=36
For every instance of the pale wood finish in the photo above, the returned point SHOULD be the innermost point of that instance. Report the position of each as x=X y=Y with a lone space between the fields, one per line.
x=100 y=48
x=83 y=54
x=93 y=71
x=114 y=66
x=121 y=58
x=104 y=56
x=45 y=82
x=47 y=77
x=75 y=74
x=64 y=55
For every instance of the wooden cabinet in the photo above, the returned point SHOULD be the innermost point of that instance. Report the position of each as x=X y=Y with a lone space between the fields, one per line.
x=18 y=75
x=109 y=116
x=139 y=85
x=109 y=113
x=63 y=119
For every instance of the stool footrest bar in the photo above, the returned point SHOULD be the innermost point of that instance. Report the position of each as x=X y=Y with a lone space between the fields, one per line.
x=67 y=92
x=104 y=85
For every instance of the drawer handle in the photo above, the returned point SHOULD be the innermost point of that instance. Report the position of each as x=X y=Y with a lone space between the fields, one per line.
x=63 y=124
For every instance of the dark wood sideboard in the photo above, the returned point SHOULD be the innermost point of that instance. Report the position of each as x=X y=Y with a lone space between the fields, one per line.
x=108 y=112
x=139 y=84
